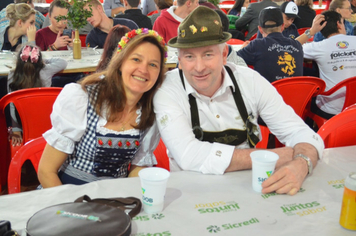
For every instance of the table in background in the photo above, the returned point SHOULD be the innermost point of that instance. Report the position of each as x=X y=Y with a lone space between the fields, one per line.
x=197 y=204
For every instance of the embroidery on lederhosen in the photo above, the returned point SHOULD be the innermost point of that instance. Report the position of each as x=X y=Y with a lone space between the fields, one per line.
x=289 y=62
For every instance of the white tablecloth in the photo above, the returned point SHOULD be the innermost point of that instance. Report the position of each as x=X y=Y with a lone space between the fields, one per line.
x=198 y=204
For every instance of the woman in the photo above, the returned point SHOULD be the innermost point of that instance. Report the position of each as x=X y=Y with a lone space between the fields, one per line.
x=114 y=36
x=236 y=9
x=343 y=7
x=106 y=123
x=160 y=5
x=20 y=28
x=305 y=12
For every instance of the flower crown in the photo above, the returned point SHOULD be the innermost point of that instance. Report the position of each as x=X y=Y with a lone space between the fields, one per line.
x=130 y=35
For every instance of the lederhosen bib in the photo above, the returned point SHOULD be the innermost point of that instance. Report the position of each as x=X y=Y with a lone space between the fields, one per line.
x=230 y=136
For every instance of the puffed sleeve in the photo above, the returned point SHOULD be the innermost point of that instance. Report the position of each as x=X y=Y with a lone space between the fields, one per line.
x=145 y=156
x=69 y=118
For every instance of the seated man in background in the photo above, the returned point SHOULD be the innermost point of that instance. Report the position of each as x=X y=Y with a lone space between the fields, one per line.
x=135 y=14
x=39 y=17
x=290 y=12
x=207 y=112
x=336 y=60
x=113 y=7
x=273 y=56
x=167 y=23
x=51 y=38
x=102 y=25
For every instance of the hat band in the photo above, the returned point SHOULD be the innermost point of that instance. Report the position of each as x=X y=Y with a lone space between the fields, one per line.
x=200 y=39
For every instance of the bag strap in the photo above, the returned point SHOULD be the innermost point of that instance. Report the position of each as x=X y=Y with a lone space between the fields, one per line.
x=122 y=203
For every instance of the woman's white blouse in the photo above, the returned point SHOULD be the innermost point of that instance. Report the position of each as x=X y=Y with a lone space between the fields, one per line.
x=69 y=122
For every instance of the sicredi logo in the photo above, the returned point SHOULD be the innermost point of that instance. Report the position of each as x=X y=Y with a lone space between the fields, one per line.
x=342 y=44
x=229 y=226
x=147 y=200
x=217 y=207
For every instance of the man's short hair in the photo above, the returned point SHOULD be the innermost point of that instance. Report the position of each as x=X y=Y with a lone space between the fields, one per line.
x=23 y=1
x=56 y=3
x=331 y=18
x=224 y=20
x=163 y=4
x=182 y=2
x=94 y=3
x=133 y=3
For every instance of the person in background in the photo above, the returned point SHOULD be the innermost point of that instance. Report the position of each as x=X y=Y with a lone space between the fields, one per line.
x=236 y=9
x=102 y=24
x=113 y=7
x=39 y=17
x=305 y=12
x=343 y=7
x=20 y=28
x=4 y=3
x=110 y=46
x=335 y=56
x=207 y=111
x=31 y=71
x=135 y=14
x=273 y=56
x=167 y=23
x=148 y=6
x=51 y=38
x=160 y=5
x=106 y=124
x=250 y=18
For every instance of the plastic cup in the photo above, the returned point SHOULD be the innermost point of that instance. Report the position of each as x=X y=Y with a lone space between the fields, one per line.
x=153 y=186
x=263 y=164
x=243 y=10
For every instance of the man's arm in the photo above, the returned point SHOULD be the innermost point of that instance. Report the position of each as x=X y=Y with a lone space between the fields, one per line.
x=245 y=19
x=316 y=27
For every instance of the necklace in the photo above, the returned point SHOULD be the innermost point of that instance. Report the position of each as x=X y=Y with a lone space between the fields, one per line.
x=123 y=124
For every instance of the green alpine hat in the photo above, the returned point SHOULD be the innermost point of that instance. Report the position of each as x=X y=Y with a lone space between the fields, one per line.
x=202 y=27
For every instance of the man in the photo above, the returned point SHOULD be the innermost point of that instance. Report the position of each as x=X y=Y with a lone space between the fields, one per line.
x=336 y=57
x=113 y=7
x=250 y=18
x=290 y=12
x=102 y=24
x=167 y=23
x=227 y=100
x=39 y=17
x=135 y=14
x=51 y=38
x=273 y=56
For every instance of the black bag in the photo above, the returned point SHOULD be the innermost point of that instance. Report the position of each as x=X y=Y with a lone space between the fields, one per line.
x=91 y=218
x=5 y=229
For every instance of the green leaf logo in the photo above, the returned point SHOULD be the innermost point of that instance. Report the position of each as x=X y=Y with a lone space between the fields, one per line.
x=269 y=173
x=143 y=190
x=213 y=229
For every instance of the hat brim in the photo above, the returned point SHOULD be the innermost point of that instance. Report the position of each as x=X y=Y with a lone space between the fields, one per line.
x=173 y=42
x=292 y=15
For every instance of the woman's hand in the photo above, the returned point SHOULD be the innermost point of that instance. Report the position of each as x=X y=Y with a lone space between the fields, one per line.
x=31 y=33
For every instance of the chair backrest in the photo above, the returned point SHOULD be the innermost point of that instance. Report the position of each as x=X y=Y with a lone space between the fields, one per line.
x=152 y=12
x=253 y=37
x=31 y=151
x=82 y=38
x=161 y=156
x=350 y=95
x=227 y=2
x=340 y=130
x=34 y=107
x=302 y=30
x=298 y=91
x=235 y=41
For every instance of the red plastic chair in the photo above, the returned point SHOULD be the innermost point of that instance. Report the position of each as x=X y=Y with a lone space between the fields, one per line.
x=235 y=41
x=340 y=130
x=227 y=2
x=253 y=37
x=297 y=92
x=82 y=38
x=161 y=156
x=350 y=98
x=34 y=107
x=31 y=151
x=302 y=30
x=152 y=12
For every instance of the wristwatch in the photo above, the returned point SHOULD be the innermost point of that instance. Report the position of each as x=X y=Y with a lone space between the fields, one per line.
x=307 y=33
x=307 y=159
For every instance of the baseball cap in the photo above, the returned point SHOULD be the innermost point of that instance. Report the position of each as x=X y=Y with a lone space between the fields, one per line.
x=270 y=14
x=290 y=9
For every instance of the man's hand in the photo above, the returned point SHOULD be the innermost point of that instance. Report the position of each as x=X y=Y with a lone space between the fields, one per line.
x=316 y=27
x=117 y=10
x=31 y=33
x=61 y=41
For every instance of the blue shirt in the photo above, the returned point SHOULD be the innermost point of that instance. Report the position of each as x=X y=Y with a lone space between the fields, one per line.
x=96 y=37
x=274 y=57
x=348 y=27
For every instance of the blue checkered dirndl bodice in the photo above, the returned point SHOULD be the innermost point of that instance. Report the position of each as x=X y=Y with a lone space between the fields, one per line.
x=102 y=155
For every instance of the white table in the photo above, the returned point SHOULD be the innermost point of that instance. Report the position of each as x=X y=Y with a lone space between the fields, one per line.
x=196 y=203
